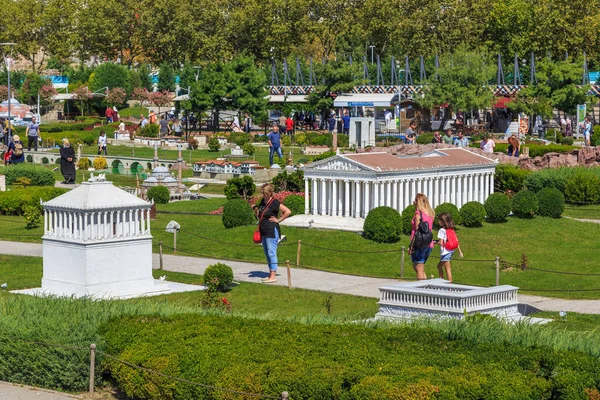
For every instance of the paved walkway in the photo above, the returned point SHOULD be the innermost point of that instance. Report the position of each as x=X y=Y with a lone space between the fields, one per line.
x=10 y=391
x=306 y=279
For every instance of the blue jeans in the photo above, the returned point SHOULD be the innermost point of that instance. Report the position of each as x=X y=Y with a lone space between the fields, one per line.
x=272 y=150
x=270 y=247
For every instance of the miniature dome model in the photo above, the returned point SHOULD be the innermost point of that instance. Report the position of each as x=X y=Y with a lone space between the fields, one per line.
x=160 y=176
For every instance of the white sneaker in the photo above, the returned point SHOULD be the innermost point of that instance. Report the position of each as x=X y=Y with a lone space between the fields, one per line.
x=282 y=239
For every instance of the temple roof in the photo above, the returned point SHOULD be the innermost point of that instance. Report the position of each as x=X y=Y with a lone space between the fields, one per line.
x=92 y=196
x=439 y=159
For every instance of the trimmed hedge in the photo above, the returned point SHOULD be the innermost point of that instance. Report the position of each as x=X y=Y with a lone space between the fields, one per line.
x=555 y=177
x=524 y=204
x=295 y=203
x=407 y=216
x=510 y=177
x=383 y=225
x=16 y=201
x=331 y=361
x=497 y=207
x=551 y=202
x=160 y=194
x=39 y=175
x=450 y=209
x=472 y=214
x=583 y=188
x=222 y=273
x=237 y=212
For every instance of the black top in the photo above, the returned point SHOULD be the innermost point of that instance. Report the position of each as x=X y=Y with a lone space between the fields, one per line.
x=67 y=152
x=266 y=227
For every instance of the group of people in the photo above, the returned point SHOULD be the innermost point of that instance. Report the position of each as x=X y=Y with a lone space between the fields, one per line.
x=270 y=213
x=14 y=152
x=111 y=114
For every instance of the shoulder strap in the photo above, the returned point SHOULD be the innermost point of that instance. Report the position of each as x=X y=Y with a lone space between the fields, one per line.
x=265 y=209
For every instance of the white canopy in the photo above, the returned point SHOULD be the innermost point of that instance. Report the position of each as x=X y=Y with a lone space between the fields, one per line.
x=182 y=97
x=366 y=100
x=71 y=96
x=290 y=98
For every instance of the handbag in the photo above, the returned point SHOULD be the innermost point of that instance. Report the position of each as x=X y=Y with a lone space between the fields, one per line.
x=423 y=235
x=256 y=237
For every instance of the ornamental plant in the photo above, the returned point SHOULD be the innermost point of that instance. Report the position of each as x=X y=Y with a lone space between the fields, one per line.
x=447 y=208
x=236 y=213
x=383 y=225
x=295 y=203
x=551 y=202
x=218 y=277
x=524 y=204
x=472 y=214
x=100 y=163
x=497 y=207
x=407 y=216
x=160 y=194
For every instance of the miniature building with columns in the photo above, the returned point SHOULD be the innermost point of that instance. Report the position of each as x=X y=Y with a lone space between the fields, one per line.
x=350 y=185
x=97 y=242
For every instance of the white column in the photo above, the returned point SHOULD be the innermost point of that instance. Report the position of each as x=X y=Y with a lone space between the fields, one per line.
x=476 y=187
x=346 y=198
x=446 y=189
x=367 y=199
x=375 y=194
x=406 y=193
x=106 y=225
x=413 y=189
x=453 y=190
x=491 y=183
x=357 y=199
x=323 y=197
x=45 y=222
x=390 y=197
x=334 y=197
x=429 y=188
x=143 y=222
x=315 y=198
x=470 y=188
x=481 y=183
x=131 y=224
x=148 y=211
x=306 y=196
x=459 y=189
x=394 y=203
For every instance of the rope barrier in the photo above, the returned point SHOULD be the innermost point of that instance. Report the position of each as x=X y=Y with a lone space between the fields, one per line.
x=562 y=272
x=350 y=251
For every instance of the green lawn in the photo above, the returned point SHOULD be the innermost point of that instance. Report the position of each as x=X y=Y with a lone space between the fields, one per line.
x=584 y=212
x=193 y=206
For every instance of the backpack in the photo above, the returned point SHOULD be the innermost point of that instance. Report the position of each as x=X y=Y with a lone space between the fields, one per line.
x=423 y=235
x=18 y=149
x=451 y=240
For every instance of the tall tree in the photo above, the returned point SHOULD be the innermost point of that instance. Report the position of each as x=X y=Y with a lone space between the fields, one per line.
x=461 y=81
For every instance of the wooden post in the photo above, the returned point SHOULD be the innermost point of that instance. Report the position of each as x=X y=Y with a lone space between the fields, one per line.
x=174 y=240
x=497 y=271
x=402 y=263
x=92 y=367
x=289 y=274
x=160 y=257
x=298 y=254
x=285 y=396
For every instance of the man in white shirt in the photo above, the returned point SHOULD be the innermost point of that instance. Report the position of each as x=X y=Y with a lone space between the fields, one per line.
x=388 y=119
x=102 y=143
x=488 y=145
x=144 y=121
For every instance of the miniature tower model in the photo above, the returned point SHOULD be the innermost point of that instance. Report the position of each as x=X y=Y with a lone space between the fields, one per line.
x=180 y=186
x=155 y=155
x=97 y=242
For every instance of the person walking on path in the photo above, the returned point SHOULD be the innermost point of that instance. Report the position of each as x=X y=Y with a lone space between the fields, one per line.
x=445 y=237
x=586 y=128
x=164 y=129
x=102 y=143
x=16 y=150
x=109 y=115
x=33 y=133
x=67 y=162
x=269 y=210
x=419 y=252
x=346 y=123
x=274 y=144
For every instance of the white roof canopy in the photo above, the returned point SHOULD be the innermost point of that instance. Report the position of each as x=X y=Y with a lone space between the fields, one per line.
x=366 y=100
x=290 y=98
x=91 y=196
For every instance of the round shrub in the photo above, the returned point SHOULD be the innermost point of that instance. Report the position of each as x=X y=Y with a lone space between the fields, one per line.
x=524 y=204
x=83 y=163
x=160 y=194
x=472 y=213
x=295 y=203
x=237 y=212
x=100 y=163
x=583 y=188
x=551 y=202
x=447 y=208
x=497 y=207
x=218 y=276
x=407 y=216
x=383 y=224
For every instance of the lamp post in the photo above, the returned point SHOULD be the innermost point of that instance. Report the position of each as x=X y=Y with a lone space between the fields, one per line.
x=7 y=62
x=371 y=47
